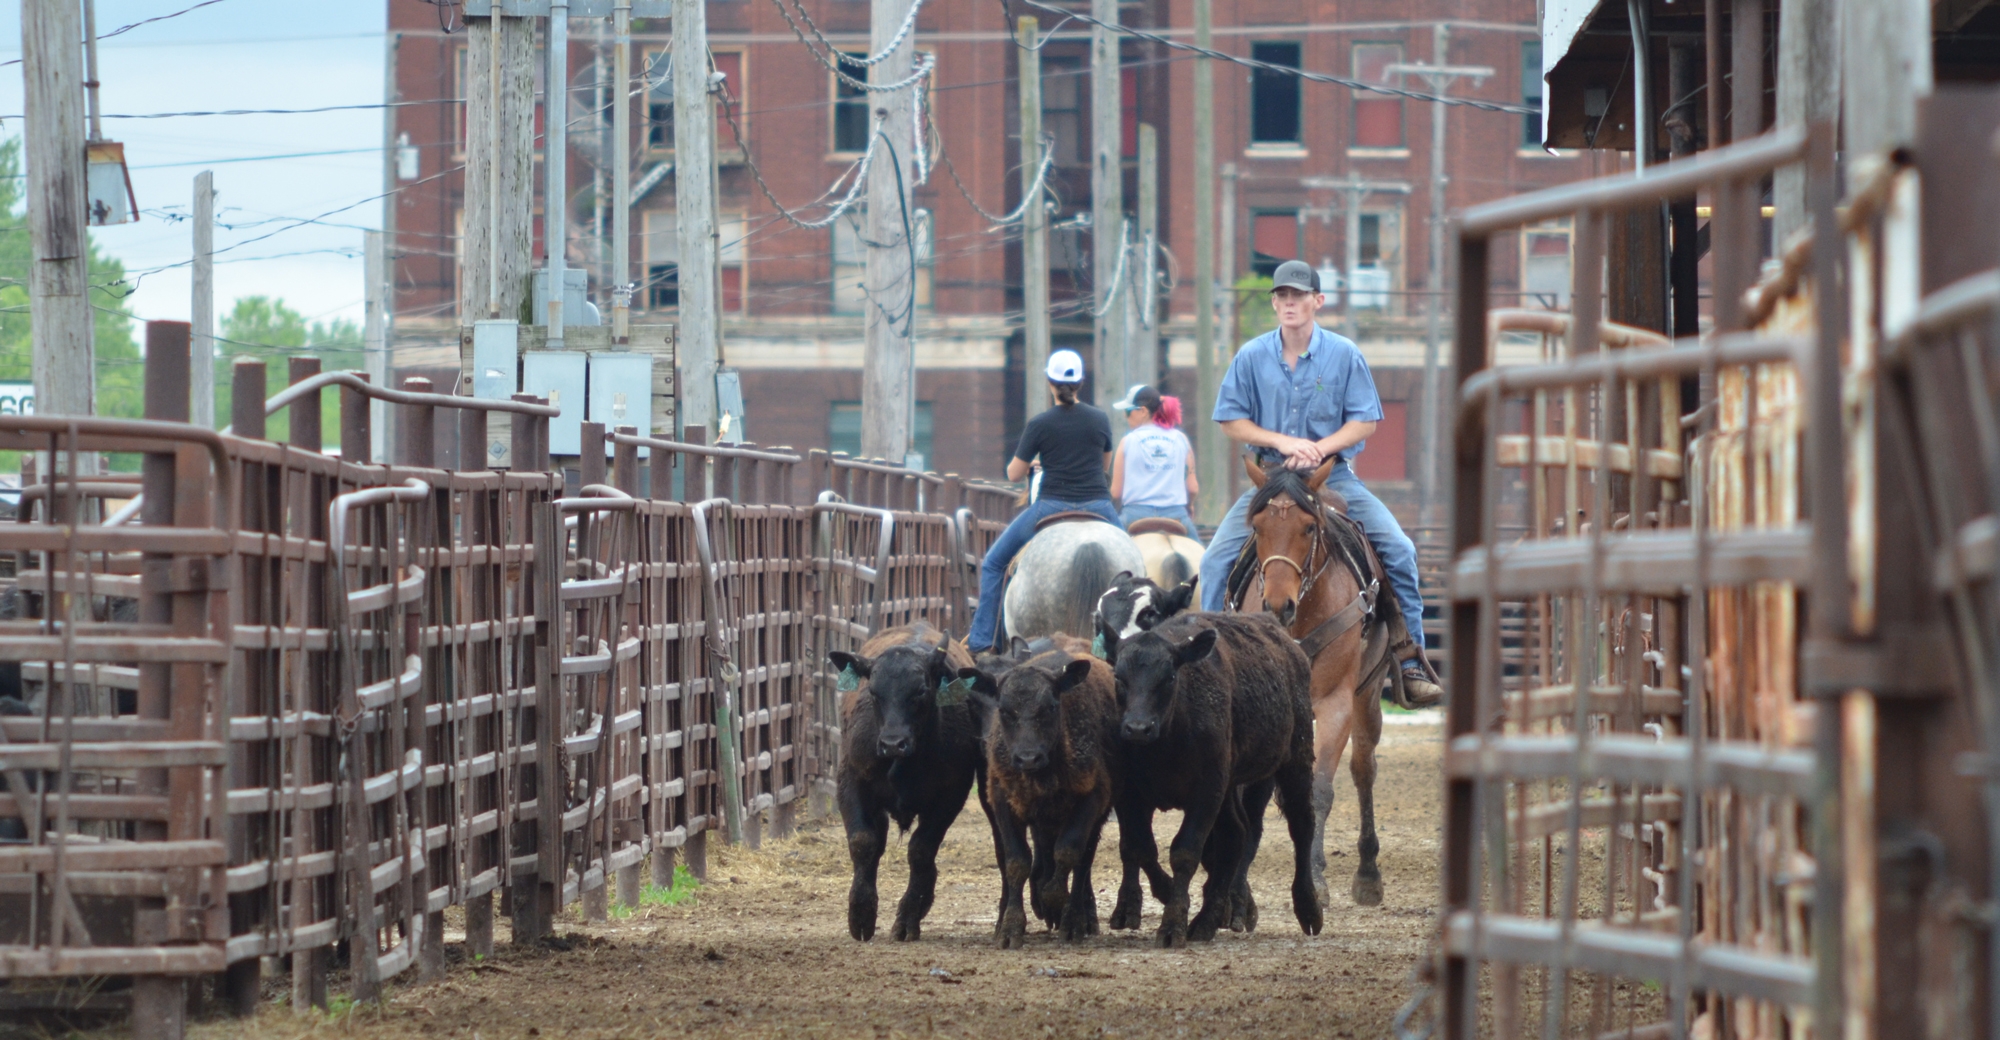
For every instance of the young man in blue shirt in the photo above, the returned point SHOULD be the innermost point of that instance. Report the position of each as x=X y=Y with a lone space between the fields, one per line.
x=1296 y=396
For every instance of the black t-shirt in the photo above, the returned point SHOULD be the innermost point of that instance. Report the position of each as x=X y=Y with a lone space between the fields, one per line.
x=1071 y=440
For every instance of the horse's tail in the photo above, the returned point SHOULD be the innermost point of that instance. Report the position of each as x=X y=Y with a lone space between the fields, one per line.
x=1090 y=574
x=1176 y=568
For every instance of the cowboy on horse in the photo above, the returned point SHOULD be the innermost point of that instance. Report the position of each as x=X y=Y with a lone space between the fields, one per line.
x=1302 y=396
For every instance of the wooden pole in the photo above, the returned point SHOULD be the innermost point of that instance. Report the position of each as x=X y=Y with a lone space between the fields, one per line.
x=59 y=280
x=1209 y=445
x=698 y=334
x=1107 y=204
x=499 y=156
x=887 y=382
x=201 y=309
x=621 y=176
x=375 y=340
x=1034 y=227
x=1147 y=364
x=555 y=171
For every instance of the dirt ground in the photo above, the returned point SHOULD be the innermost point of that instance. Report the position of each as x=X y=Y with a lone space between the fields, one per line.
x=762 y=951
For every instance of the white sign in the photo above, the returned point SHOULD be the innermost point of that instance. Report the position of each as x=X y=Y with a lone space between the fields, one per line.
x=17 y=398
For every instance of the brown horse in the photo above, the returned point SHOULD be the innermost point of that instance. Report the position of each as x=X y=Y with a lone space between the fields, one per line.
x=1314 y=570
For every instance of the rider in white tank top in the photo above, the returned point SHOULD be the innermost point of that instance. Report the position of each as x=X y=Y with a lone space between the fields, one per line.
x=1155 y=467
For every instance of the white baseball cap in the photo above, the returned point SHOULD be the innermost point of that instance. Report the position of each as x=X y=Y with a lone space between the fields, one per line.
x=1065 y=366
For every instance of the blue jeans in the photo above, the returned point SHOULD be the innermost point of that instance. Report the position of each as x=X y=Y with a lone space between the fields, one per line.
x=1398 y=553
x=994 y=570
x=1134 y=511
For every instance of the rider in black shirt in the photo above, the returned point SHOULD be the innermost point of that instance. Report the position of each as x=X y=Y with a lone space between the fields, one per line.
x=1072 y=442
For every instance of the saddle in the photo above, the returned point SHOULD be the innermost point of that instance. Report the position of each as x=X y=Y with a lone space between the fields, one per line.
x=1158 y=525
x=1068 y=516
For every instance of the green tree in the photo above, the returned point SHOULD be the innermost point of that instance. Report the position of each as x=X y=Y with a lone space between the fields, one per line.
x=266 y=327
x=1254 y=316
x=120 y=369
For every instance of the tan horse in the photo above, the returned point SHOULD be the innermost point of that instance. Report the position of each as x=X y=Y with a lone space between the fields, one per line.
x=1309 y=563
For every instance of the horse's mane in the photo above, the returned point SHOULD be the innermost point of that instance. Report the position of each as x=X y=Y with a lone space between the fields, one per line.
x=1291 y=483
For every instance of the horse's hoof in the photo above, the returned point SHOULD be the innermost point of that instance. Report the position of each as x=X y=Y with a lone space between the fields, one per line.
x=1368 y=889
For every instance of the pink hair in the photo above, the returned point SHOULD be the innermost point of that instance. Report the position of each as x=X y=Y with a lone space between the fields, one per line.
x=1169 y=413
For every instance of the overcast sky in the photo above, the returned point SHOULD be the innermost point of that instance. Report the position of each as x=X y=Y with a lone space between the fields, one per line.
x=239 y=54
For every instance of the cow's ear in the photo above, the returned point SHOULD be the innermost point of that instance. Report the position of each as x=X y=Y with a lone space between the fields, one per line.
x=1122 y=578
x=1195 y=649
x=842 y=661
x=1179 y=599
x=1074 y=674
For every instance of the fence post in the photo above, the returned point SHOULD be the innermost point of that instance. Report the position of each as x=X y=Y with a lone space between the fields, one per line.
x=246 y=402
x=418 y=444
x=590 y=455
x=159 y=998
x=357 y=433
x=660 y=474
x=625 y=464
x=472 y=440
x=522 y=429
x=695 y=481
x=305 y=412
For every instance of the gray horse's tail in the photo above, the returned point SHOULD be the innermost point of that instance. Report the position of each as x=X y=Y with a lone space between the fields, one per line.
x=1090 y=574
x=1176 y=568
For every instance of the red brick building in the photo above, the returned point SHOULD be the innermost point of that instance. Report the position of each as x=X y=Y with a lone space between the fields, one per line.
x=793 y=325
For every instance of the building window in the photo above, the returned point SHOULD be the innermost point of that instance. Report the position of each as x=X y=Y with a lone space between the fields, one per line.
x=1545 y=275
x=660 y=245
x=1373 y=282
x=1378 y=118
x=1274 y=96
x=843 y=428
x=850 y=263
x=660 y=99
x=1274 y=239
x=1063 y=108
x=1388 y=454
x=850 y=110
x=1531 y=93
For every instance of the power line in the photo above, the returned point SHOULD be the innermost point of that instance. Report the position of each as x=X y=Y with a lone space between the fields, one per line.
x=1287 y=70
x=123 y=29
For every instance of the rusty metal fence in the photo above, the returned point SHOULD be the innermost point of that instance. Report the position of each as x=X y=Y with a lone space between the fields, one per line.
x=281 y=707
x=1638 y=824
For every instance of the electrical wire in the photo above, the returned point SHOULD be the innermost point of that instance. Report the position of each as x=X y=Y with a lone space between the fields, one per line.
x=859 y=171
x=1287 y=70
x=123 y=29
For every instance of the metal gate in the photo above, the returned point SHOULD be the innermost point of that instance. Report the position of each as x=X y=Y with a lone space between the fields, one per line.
x=1638 y=827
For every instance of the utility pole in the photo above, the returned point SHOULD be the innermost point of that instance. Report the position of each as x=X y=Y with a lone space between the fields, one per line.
x=1808 y=93
x=201 y=309
x=1107 y=202
x=1225 y=268
x=887 y=382
x=1440 y=76
x=621 y=174
x=375 y=331
x=1145 y=363
x=59 y=281
x=698 y=335
x=1209 y=444
x=555 y=170
x=499 y=172
x=1034 y=224
x=382 y=283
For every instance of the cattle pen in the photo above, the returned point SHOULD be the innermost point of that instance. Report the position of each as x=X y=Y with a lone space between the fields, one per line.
x=312 y=731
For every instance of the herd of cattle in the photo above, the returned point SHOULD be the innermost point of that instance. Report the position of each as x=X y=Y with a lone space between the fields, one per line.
x=1164 y=709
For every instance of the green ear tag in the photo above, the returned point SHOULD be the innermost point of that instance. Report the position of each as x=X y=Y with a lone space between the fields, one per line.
x=953 y=692
x=1097 y=647
x=847 y=682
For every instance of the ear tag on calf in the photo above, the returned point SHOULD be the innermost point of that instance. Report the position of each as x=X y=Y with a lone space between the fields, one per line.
x=952 y=692
x=847 y=682
x=1097 y=646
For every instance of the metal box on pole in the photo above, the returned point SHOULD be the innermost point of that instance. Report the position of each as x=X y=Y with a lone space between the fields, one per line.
x=560 y=376
x=621 y=391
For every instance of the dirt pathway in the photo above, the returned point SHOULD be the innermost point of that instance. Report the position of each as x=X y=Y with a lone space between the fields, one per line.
x=762 y=951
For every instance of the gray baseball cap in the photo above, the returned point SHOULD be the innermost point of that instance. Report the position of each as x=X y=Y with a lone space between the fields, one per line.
x=1295 y=274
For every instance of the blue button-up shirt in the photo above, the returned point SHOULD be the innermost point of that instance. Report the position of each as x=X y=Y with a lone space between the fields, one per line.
x=1328 y=388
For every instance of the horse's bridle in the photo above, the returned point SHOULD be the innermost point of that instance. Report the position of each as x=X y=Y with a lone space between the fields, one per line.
x=1308 y=574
